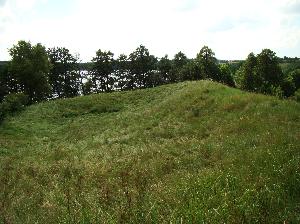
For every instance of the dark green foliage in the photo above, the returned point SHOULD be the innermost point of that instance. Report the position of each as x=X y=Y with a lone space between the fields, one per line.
x=12 y=103
x=4 y=89
x=8 y=81
x=87 y=87
x=268 y=72
x=263 y=74
x=289 y=66
x=64 y=76
x=124 y=80
x=295 y=77
x=288 y=86
x=246 y=77
x=297 y=95
x=184 y=69
x=226 y=76
x=164 y=66
x=189 y=71
x=154 y=79
x=59 y=74
x=142 y=66
x=291 y=73
x=30 y=68
x=235 y=65
x=179 y=61
x=102 y=71
x=208 y=64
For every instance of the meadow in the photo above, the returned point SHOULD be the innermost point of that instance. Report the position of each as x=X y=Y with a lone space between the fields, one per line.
x=191 y=152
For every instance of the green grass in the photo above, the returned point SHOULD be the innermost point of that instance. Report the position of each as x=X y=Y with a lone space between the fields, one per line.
x=193 y=152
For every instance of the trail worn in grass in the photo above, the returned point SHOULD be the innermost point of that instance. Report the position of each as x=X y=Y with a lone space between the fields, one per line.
x=193 y=152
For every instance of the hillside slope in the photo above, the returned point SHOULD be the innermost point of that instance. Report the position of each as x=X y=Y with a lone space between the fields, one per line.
x=186 y=153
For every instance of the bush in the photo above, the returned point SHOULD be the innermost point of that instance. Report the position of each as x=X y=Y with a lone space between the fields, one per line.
x=288 y=86
x=276 y=91
x=12 y=103
x=297 y=95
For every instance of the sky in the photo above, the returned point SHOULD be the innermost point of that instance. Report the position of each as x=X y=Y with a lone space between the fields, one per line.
x=231 y=28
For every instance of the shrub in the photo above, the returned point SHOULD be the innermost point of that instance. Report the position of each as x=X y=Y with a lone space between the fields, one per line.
x=297 y=95
x=276 y=91
x=12 y=103
x=288 y=86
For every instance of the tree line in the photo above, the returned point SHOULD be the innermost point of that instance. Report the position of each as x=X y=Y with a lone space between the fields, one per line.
x=36 y=73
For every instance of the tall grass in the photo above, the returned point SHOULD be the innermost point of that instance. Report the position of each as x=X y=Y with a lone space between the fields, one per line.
x=193 y=152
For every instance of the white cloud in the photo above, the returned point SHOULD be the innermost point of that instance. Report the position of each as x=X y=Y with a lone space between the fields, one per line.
x=292 y=6
x=232 y=28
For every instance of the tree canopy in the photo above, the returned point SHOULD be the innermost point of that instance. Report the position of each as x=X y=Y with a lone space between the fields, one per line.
x=30 y=68
x=207 y=64
x=64 y=77
x=102 y=71
x=262 y=73
x=56 y=73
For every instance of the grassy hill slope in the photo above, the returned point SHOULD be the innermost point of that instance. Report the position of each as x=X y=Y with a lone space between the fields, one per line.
x=185 y=153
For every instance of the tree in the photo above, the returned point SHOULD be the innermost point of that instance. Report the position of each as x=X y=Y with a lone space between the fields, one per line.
x=102 y=71
x=288 y=86
x=268 y=71
x=64 y=75
x=262 y=74
x=190 y=71
x=164 y=67
x=87 y=87
x=295 y=76
x=246 y=77
x=226 y=75
x=179 y=61
x=142 y=65
x=123 y=78
x=291 y=83
x=8 y=82
x=4 y=80
x=30 y=67
x=207 y=64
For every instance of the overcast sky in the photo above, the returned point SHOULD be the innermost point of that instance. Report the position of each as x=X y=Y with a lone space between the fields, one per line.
x=232 y=28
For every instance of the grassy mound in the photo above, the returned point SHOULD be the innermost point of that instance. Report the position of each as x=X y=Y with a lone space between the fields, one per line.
x=193 y=152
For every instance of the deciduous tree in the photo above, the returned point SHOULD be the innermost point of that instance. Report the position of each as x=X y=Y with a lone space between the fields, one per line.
x=246 y=77
x=178 y=63
x=142 y=65
x=226 y=76
x=102 y=71
x=208 y=64
x=30 y=66
x=123 y=79
x=164 y=67
x=64 y=75
x=268 y=71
